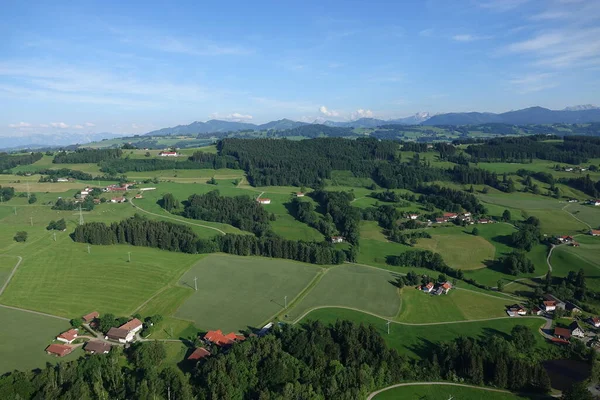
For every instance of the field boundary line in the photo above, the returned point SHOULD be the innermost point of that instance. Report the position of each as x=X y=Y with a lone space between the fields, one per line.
x=573 y=215
x=12 y=273
x=410 y=323
x=176 y=219
x=34 y=312
x=372 y=395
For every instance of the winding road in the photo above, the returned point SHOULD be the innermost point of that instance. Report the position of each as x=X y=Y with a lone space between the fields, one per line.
x=372 y=395
x=177 y=219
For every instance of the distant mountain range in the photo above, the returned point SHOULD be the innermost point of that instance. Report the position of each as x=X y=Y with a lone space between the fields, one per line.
x=526 y=116
x=52 y=140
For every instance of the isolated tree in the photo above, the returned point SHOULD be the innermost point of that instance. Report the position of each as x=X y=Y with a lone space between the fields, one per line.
x=32 y=198
x=212 y=181
x=506 y=216
x=21 y=236
x=500 y=285
x=475 y=231
x=147 y=154
x=169 y=202
x=523 y=338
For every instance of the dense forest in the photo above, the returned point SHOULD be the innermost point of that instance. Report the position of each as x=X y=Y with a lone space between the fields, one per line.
x=243 y=212
x=82 y=156
x=284 y=162
x=572 y=150
x=8 y=161
x=198 y=160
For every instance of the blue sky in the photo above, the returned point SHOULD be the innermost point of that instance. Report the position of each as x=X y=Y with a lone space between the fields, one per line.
x=131 y=67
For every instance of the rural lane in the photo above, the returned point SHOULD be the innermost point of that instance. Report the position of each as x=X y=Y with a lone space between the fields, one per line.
x=35 y=312
x=176 y=219
x=409 y=323
x=372 y=395
x=11 y=275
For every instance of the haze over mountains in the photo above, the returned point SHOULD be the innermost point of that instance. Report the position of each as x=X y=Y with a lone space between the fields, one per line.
x=532 y=115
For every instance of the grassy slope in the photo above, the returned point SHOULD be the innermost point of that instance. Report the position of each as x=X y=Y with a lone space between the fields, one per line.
x=353 y=286
x=414 y=340
x=586 y=257
x=458 y=305
x=23 y=338
x=237 y=292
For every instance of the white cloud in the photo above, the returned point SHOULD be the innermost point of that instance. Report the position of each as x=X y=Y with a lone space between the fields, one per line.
x=469 y=38
x=78 y=126
x=236 y=117
x=60 y=125
x=501 y=5
x=20 y=125
x=360 y=113
x=329 y=113
x=534 y=82
x=426 y=32
x=89 y=125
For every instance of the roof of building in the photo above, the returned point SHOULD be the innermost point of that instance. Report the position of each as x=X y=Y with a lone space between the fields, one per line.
x=118 y=198
x=199 y=353
x=97 y=346
x=117 y=333
x=217 y=337
x=596 y=320
x=263 y=200
x=574 y=325
x=595 y=231
x=449 y=214
x=549 y=303
x=447 y=285
x=60 y=350
x=131 y=324
x=90 y=316
x=429 y=285
x=563 y=332
x=69 y=335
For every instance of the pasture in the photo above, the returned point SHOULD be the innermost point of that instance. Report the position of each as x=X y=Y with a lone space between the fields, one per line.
x=239 y=292
x=61 y=278
x=566 y=258
x=458 y=305
x=23 y=338
x=459 y=248
x=443 y=392
x=355 y=286
x=414 y=341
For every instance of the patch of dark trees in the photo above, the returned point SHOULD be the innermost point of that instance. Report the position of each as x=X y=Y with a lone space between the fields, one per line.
x=139 y=231
x=449 y=199
x=52 y=175
x=85 y=156
x=70 y=204
x=275 y=162
x=8 y=161
x=243 y=212
x=7 y=193
x=198 y=160
x=572 y=150
x=345 y=217
x=304 y=211
x=585 y=184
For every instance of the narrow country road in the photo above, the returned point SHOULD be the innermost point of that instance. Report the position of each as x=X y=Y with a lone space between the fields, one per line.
x=410 y=323
x=372 y=395
x=11 y=275
x=35 y=312
x=176 y=219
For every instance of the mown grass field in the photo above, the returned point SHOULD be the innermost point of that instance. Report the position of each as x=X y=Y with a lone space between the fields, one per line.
x=61 y=278
x=23 y=338
x=354 y=286
x=459 y=248
x=587 y=257
x=414 y=341
x=444 y=392
x=239 y=292
x=458 y=305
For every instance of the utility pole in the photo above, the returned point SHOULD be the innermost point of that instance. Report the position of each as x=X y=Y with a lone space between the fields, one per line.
x=388 y=326
x=196 y=283
x=54 y=234
x=129 y=255
x=285 y=301
x=88 y=249
x=31 y=220
x=28 y=194
x=15 y=210
x=80 y=215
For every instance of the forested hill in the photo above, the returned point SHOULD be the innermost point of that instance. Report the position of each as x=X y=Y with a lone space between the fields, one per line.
x=527 y=116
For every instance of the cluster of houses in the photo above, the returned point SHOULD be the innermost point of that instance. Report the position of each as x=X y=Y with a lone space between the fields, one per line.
x=126 y=332
x=68 y=337
x=574 y=169
x=595 y=202
x=436 y=288
x=462 y=217
x=168 y=154
x=123 y=187
x=566 y=240
x=563 y=335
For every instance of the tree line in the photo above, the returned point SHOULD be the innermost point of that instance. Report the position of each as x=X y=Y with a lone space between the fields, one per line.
x=8 y=161
x=198 y=160
x=86 y=156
